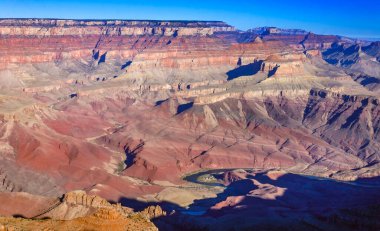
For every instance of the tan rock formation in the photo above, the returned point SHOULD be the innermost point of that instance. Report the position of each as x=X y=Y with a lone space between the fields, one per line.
x=79 y=211
x=153 y=212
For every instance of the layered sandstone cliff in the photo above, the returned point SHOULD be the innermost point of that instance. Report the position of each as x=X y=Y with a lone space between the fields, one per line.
x=60 y=27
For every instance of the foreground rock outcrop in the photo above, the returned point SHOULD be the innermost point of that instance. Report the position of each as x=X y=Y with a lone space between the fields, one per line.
x=77 y=211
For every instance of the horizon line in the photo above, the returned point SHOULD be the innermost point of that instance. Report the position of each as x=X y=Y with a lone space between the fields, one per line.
x=364 y=37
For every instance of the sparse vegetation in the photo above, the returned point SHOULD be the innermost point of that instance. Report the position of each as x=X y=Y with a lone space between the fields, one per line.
x=120 y=167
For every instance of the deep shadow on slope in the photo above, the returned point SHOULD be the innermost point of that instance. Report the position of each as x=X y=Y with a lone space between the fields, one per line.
x=245 y=70
x=183 y=107
x=308 y=203
x=125 y=65
x=369 y=80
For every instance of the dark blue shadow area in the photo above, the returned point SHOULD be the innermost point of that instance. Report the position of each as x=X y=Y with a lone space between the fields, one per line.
x=337 y=205
x=125 y=65
x=273 y=71
x=183 y=107
x=370 y=80
x=131 y=153
x=102 y=58
x=158 y=103
x=245 y=70
x=95 y=55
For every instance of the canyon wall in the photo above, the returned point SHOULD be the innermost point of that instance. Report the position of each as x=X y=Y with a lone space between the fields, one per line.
x=109 y=106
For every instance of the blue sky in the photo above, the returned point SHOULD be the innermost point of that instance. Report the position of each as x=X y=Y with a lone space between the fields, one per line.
x=343 y=17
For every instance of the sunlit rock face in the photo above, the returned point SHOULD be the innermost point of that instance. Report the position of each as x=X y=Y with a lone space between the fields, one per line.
x=122 y=109
x=73 y=211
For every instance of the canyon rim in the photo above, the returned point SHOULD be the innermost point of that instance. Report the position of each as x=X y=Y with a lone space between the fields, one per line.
x=186 y=125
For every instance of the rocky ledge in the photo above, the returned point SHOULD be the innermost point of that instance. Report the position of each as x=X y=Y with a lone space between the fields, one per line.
x=77 y=210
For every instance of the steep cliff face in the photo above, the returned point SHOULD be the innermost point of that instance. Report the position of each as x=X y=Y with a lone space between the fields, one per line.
x=57 y=27
x=43 y=40
x=360 y=61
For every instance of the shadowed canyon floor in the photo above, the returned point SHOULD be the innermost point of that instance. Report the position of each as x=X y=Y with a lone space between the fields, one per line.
x=281 y=201
x=125 y=109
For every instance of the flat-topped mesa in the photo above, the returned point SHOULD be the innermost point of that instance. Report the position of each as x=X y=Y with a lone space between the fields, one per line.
x=60 y=27
x=275 y=30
